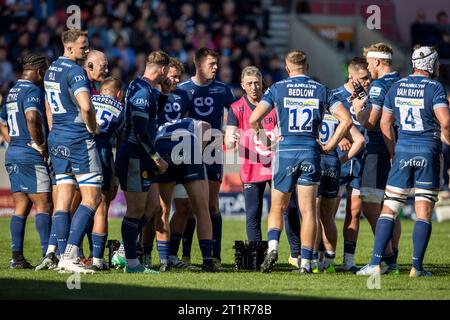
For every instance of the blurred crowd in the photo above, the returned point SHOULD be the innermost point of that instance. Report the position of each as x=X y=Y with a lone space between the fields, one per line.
x=430 y=34
x=127 y=30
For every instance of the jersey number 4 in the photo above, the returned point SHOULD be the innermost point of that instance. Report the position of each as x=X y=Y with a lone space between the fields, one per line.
x=411 y=119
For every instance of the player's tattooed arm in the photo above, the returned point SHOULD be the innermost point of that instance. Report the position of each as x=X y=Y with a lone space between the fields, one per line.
x=345 y=122
x=357 y=142
x=87 y=111
x=387 y=129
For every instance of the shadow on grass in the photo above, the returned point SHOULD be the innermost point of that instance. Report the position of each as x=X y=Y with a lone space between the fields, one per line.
x=17 y=289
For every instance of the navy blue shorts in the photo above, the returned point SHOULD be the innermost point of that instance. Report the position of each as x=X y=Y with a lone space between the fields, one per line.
x=376 y=171
x=351 y=172
x=295 y=167
x=29 y=178
x=416 y=166
x=73 y=156
x=331 y=170
x=135 y=169
x=185 y=169
x=106 y=158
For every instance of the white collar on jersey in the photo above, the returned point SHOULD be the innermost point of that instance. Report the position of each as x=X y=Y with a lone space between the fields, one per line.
x=300 y=75
x=24 y=80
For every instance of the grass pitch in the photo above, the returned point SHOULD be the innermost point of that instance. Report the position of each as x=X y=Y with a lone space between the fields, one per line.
x=230 y=284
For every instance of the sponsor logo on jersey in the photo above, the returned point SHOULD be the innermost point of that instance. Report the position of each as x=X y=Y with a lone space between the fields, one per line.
x=375 y=92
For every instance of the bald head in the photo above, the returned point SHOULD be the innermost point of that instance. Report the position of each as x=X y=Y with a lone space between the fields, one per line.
x=96 y=66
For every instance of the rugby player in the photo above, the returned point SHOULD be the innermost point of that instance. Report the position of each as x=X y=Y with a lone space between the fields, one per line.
x=377 y=163
x=351 y=170
x=181 y=141
x=207 y=100
x=327 y=199
x=419 y=106
x=256 y=159
x=110 y=115
x=138 y=162
x=300 y=103
x=72 y=147
x=26 y=157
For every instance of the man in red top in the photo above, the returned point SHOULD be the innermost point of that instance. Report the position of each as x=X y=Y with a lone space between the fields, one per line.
x=256 y=159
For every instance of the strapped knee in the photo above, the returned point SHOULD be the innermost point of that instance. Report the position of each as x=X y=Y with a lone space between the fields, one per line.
x=395 y=198
x=426 y=195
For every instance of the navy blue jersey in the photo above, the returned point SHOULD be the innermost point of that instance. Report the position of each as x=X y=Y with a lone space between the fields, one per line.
x=377 y=92
x=175 y=108
x=141 y=115
x=300 y=103
x=63 y=80
x=177 y=128
x=412 y=100
x=344 y=96
x=110 y=116
x=327 y=129
x=23 y=97
x=207 y=102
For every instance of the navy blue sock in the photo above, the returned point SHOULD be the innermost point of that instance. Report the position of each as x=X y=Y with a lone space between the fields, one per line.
x=322 y=246
x=421 y=236
x=52 y=240
x=147 y=248
x=142 y=222
x=292 y=223
x=81 y=220
x=89 y=237
x=61 y=219
x=273 y=234
x=98 y=244
x=217 y=235
x=206 y=247
x=17 y=228
x=349 y=247
x=307 y=253
x=43 y=226
x=188 y=235
x=389 y=259
x=383 y=233
x=163 y=250
x=395 y=250
x=315 y=255
x=130 y=232
x=175 y=239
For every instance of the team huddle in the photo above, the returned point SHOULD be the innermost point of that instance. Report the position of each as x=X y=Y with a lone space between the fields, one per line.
x=374 y=138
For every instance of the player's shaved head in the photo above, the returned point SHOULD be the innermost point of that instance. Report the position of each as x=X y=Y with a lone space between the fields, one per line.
x=94 y=56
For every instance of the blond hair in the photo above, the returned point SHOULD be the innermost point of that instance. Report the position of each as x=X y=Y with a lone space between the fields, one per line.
x=159 y=58
x=380 y=47
x=72 y=35
x=297 y=58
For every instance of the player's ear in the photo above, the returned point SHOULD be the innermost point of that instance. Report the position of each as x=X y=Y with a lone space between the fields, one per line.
x=286 y=68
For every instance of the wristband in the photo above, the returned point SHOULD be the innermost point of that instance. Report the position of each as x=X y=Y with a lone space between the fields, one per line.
x=36 y=147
